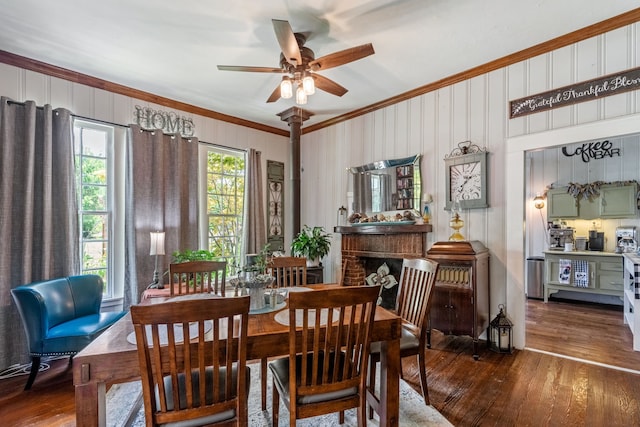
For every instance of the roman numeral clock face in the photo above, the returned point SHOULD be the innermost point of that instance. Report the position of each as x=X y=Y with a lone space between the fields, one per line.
x=466 y=181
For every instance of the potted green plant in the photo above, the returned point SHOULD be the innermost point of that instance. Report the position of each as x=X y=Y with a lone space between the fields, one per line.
x=191 y=255
x=312 y=243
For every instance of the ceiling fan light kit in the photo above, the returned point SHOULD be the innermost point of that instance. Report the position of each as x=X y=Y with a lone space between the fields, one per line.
x=300 y=67
x=286 y=88
x=301 y=96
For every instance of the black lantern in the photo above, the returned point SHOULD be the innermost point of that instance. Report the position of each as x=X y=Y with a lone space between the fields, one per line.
x=500 y=338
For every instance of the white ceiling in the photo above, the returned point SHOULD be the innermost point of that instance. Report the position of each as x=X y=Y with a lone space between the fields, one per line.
x=171 y=48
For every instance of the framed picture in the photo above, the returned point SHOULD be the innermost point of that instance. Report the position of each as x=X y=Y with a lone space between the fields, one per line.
x=466 y=180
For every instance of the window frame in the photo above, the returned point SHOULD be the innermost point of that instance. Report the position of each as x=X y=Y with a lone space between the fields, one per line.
x=203 y=214
x=115 y=193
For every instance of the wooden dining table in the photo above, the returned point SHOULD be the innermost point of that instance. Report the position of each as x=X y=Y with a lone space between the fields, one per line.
x=111 y=359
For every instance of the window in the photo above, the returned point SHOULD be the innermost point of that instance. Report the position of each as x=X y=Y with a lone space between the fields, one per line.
x=225 y=178
x=96 y=161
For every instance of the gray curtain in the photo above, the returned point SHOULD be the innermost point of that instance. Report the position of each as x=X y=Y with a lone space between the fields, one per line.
x=254 y=229
x=161 y=195
x=39 y=212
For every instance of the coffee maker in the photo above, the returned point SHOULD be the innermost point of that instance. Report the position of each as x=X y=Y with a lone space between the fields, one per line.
x=626 y=238
x=596 y=240
x=558 y=237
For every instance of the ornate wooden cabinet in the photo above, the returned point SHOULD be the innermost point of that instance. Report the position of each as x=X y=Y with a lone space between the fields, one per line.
x=460 y=303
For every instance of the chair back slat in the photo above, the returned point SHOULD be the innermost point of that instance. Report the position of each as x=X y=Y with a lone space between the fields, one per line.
x=193 y=352
x=415 y=291
x=288 y=271
x=194 y=277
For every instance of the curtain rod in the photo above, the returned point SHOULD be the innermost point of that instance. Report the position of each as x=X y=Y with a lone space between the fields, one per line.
x=10 y=101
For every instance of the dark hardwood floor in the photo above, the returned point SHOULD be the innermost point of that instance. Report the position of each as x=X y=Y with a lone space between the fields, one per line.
x=527 y=388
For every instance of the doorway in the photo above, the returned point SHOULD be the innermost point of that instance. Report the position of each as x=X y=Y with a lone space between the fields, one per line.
x=516 y=201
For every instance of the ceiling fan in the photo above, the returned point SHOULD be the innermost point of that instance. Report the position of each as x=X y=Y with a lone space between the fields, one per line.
x=300 y=67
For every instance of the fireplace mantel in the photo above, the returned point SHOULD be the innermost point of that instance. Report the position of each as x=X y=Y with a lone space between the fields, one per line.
x=379 y=241
x=383 y=229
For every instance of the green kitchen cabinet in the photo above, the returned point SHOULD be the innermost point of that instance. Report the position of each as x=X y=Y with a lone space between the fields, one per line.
x=614 y=201
x=561 y=204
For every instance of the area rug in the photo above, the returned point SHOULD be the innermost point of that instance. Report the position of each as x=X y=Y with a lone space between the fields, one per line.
x=124 y=408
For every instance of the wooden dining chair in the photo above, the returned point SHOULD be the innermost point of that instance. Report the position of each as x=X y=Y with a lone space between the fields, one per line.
x=415 y=290
x=329 y=340
x=194 y=277
x=288 y=272
x=204 y=382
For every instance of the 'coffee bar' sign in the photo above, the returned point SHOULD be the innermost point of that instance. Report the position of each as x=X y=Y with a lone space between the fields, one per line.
x=592 y=150
x=611 y=84
x=160 y=120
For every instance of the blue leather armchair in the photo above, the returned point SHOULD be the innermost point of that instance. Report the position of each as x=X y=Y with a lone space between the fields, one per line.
x=61 y=316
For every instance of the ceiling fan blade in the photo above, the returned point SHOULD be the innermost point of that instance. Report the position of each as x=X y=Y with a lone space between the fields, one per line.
x=249 y=69
x=287 y=41
x=342 y=57
x=328 y=85
x=275 y=95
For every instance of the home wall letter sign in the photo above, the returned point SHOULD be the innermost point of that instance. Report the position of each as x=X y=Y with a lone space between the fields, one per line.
x=611 y=84
x=167 y=122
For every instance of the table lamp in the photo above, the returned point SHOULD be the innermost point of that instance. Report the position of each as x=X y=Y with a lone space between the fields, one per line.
x=157 y=248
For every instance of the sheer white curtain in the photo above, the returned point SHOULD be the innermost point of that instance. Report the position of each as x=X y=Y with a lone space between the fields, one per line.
x=254 y=229
x=161 y=195
x=39 y=212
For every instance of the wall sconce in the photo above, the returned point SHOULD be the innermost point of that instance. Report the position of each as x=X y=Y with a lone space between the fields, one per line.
x=538 y=201
x=157 y=248
x=500 y=337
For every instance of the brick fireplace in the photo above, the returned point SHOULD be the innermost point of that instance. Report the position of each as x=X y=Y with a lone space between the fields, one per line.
x=367 y=246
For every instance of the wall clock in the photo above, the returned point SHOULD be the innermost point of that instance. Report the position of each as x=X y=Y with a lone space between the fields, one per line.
x=466 y=180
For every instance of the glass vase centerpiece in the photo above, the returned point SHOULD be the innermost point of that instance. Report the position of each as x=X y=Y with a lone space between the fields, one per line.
x=253 y=281
x=255 y=285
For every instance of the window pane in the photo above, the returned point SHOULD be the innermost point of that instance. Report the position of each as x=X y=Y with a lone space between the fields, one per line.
x=94 y=255
x=94 y=170
x=94 y=143
x=94 y=198
x=94 y=227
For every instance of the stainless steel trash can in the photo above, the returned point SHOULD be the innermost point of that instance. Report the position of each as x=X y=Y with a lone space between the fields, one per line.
x=535 y=277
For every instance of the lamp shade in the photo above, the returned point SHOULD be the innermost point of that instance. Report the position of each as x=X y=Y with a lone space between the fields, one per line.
x=286 y=88
x=538 y=201
x=308 y=85
x=157 y=243
x=301 y=96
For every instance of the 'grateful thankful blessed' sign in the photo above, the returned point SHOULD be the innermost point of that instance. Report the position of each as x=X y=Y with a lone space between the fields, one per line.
x=612 y=84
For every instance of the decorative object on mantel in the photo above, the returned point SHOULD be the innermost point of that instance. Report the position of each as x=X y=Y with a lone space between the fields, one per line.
x=312 y=243
x=466 y=168
x=426 y=212
x=456 y=223
x=342 y=216
x=361 y=218
x=500 y=336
